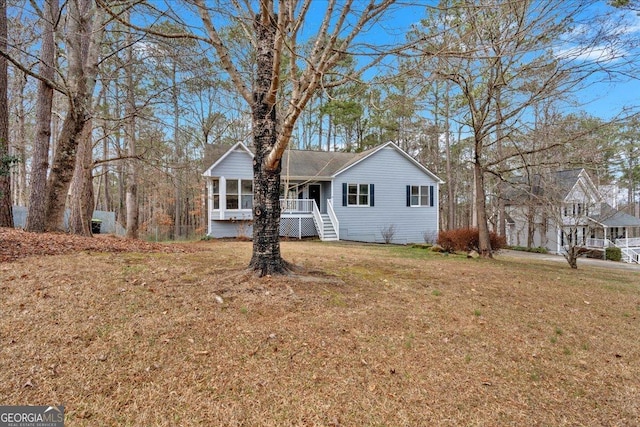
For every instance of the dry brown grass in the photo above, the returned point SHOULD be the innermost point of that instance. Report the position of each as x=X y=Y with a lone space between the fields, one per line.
x=371 y=336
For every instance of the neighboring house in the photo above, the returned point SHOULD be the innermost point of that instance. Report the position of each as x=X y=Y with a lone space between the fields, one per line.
x=332 y=195
x=565 y=207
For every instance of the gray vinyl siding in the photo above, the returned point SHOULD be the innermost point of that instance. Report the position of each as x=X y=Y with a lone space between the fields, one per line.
x=325 y=193
x=237 y=164
x=390 y=172
x=221 y=229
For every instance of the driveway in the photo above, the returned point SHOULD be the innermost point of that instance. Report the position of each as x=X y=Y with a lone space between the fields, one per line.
x=507 y=253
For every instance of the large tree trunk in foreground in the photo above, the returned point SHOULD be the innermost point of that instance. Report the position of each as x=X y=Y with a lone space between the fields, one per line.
x=81 y=203
x=266 y=259
x=83 y=45
x=62 y=170
x=133 y=212
x=6 y=212
x=40 y=162
x=481 y=209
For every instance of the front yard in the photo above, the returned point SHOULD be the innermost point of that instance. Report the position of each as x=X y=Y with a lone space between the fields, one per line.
x=370 y=335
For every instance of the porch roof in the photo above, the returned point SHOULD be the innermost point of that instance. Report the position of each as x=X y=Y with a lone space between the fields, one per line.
x=611 y=217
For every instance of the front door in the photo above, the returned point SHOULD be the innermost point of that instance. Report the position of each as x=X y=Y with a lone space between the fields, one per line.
x=314 y=193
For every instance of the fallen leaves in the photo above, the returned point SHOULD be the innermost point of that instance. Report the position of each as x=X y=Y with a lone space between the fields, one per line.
x=17 y=244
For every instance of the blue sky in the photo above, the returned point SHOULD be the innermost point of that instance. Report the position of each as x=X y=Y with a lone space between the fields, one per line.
x=607 y=96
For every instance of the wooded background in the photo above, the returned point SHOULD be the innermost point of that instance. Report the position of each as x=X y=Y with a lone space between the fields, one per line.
x=120 y=99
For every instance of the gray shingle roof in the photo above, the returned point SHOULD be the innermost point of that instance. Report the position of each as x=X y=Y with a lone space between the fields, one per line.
x=611 y=217
x=304 y=164
x=300 y=164
x=555 y=185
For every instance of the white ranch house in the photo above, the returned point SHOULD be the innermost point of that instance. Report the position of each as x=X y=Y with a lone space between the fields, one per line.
x=567 y=205
x=332 y=195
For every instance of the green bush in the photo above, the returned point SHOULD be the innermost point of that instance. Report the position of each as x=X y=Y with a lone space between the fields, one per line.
x=613 y=254
x=467 y=239
x=537 y=250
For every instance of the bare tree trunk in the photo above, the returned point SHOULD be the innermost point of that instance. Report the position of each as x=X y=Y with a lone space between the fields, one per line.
x=36 y=214
x=178 y=181
x=62 y=169
x=451 y=205
x=106 y=201
x=502 y=211
x=484 y=242
x=266 y=257
x=6 y=211
x=132 y=178
x=81 y=201
x=20 y=145
x=85 y=32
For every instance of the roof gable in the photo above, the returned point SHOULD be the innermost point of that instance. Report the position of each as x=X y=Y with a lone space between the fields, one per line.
x=369 y=153
x=216 y=154
x=559 y=186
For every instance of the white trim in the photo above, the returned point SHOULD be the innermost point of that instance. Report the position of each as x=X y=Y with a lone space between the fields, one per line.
x=358 y=204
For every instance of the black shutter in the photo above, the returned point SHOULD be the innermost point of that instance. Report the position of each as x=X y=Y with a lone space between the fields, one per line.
x=408 y=195
x=344 y=194
x=371 y=195
x=431 y=195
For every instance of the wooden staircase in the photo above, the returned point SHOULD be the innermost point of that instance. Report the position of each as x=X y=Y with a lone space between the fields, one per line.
x=328 y=231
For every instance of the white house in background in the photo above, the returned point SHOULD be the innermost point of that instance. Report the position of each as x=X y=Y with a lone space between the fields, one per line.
x=332 y=195
x=566 y=205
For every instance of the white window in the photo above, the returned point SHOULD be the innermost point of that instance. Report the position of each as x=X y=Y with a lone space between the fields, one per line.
x=239 y=194
x=358 y=195
x=246 y=187
x=232 y=194
x=420 y=195
x=215 y=191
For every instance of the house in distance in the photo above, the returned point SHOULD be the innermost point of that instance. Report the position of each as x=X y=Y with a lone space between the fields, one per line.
x=565 y=208
x=378 y=195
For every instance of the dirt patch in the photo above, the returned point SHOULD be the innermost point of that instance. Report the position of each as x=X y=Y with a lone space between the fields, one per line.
x=370 y=335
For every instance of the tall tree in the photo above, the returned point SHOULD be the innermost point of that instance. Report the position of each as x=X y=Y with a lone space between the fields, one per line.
x=497 y=48
x=6 y=211
x=36 y=215
x=133 y=208
x=84 y=35
x=274 y=29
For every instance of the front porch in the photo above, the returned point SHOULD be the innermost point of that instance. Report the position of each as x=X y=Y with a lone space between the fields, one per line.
x=299 y=218
x=630 y=247
x=294 y=213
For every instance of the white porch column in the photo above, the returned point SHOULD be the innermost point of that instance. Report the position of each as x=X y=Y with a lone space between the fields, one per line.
x=223 y=196
x=209 y=203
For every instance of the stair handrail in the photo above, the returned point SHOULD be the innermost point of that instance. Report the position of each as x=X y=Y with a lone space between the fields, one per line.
x=317 y=218
x=333 y=218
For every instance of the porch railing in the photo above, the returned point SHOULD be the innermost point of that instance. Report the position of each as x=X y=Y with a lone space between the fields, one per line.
x=598 y=243
x=334 y=218
x=631 y=255
x=633 y=242
x=297 y=205
x=318 y=220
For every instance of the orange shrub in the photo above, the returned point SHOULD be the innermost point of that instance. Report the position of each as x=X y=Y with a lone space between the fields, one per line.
x=467 y=239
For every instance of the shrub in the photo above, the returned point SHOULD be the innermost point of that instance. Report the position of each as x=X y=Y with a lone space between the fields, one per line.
x=429 y=237
x=614 y=254
x=537 y=250
x=467 y=239
x=388 y=233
